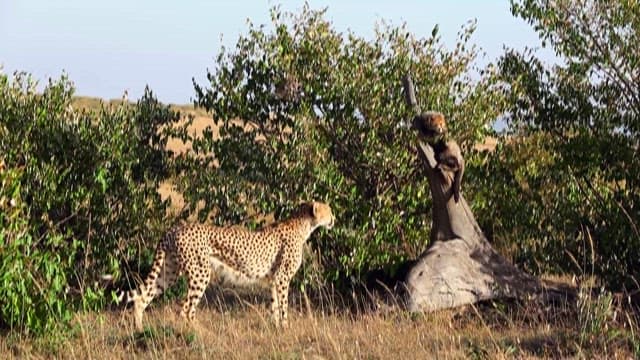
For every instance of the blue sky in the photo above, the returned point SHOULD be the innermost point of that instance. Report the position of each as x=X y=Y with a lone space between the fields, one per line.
x=107 y=47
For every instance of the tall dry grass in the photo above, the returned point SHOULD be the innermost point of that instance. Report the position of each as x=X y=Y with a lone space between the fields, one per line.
x=235 y=324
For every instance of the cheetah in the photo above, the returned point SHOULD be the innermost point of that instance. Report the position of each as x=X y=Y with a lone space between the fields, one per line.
x=432 y=127
x=272 y=255
x=449 y=158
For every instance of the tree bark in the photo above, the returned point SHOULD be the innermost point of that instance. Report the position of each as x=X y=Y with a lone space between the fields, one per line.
x=459 y=266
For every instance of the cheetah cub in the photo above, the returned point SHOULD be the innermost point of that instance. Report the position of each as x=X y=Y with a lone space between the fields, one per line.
x=272 y=255
x=432 y=127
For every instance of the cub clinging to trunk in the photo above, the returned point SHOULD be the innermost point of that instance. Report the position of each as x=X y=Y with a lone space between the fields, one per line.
x=432 y=127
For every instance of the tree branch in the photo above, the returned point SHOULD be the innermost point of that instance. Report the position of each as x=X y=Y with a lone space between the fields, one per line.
x=427 y=154
x=410 y=94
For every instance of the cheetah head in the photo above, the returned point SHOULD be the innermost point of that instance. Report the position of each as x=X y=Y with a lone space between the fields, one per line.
x=322 y=215
x=430 y=124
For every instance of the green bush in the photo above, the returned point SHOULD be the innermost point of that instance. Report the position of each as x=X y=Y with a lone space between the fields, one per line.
x=33 y=281
x=87 y=184
x=306 y=113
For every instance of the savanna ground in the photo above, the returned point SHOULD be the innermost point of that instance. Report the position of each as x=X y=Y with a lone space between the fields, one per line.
x=232 y=325
x=235 y=324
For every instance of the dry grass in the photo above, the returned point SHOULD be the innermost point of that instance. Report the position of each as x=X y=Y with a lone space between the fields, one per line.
x=94 y=103
x=242 y=330
x=237 y=326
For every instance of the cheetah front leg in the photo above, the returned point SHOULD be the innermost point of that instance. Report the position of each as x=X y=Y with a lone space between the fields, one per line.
x=291 y=259
x=275 y=307
x=280 y=296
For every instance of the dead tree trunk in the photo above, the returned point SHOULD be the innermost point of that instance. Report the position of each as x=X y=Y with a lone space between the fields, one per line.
x=460 y=266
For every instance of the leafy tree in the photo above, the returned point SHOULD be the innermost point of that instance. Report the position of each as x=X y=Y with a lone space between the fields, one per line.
x=568 y=174
x=306 y=112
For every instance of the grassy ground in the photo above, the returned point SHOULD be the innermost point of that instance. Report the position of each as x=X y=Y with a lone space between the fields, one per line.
x=237 y=326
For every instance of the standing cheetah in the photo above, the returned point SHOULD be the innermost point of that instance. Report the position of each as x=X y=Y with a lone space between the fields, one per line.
x=271 y=255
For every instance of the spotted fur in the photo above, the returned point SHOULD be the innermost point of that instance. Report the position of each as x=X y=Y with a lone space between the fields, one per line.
x=272 y=255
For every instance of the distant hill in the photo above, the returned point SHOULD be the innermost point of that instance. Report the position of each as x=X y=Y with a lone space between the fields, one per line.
x=93 y=103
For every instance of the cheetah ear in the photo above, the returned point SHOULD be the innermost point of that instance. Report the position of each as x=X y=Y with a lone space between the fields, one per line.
x=306 y=208
x=314 y=208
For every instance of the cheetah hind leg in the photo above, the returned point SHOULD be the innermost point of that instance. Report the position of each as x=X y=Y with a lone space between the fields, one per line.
x=198 y=278
x=164 y=273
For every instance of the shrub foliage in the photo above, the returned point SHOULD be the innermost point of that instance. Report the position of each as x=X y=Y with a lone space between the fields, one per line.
x=565 y=187
x=306 y=112
x=84 y=193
